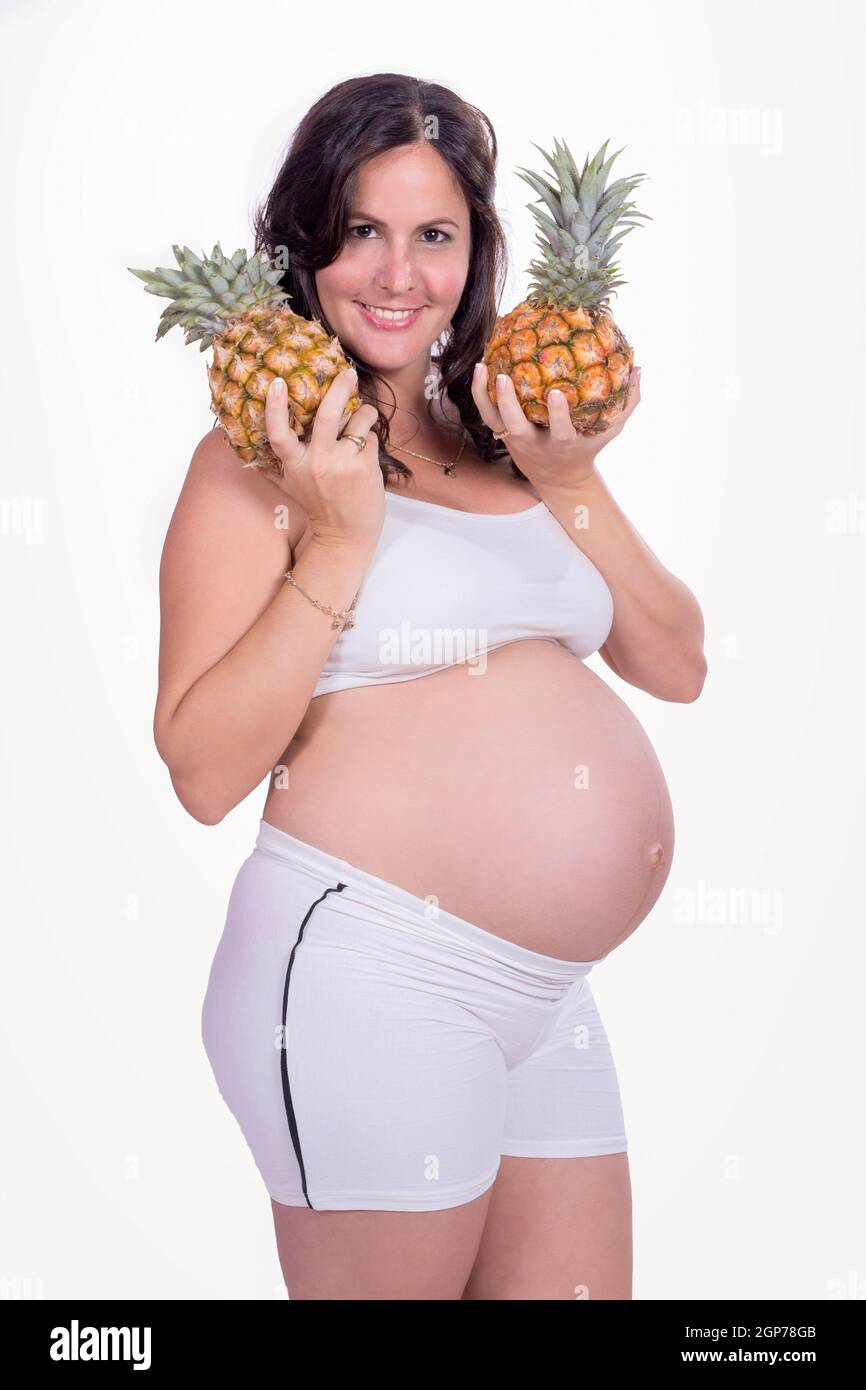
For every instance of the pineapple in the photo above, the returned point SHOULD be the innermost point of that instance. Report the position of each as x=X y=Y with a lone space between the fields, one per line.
x=562 y=335
x=235 y=305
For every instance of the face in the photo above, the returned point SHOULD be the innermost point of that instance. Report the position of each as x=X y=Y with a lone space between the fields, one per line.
x=407 y=247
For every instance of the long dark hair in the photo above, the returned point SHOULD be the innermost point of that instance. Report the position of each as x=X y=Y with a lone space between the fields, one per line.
x=305 y=219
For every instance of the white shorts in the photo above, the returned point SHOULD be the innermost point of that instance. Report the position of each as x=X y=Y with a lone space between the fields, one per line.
x=381 y=1054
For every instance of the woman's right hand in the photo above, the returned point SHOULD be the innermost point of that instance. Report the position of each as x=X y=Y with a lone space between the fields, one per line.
x=338 y=485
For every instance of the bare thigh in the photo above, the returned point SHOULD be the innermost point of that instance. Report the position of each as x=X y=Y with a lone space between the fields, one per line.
x=557 y=1228
x=378 y=1254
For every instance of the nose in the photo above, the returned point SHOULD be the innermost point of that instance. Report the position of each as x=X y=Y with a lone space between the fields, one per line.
x=395 y=273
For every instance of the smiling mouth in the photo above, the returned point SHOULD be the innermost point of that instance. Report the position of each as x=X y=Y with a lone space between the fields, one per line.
x=388 y=318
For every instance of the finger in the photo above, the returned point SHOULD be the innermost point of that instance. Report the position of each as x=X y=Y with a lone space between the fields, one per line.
x=632 y=395
x=365 y=416
x=633 y=388
x=510 y=409
x=632 y=400
x=332 y=406
x=486 y=409
x=562 y=431
x=360 y=422
x=278 y=427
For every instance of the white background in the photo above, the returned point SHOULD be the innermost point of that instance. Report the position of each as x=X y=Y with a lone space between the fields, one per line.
x=735 y=1011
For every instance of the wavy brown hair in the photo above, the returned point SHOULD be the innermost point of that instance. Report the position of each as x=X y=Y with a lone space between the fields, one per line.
x=305 y=217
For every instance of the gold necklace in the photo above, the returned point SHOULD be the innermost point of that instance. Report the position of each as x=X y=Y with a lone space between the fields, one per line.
x=449 y=468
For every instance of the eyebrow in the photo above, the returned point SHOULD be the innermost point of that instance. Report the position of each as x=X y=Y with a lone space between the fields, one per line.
x=375 y=222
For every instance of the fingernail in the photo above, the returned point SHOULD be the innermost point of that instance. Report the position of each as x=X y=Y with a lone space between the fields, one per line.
x=278 y=385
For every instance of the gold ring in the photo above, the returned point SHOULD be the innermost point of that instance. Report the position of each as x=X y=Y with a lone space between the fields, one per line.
x=356 y=439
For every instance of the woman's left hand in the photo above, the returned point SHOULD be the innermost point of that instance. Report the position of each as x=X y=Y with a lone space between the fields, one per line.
x=554 y=457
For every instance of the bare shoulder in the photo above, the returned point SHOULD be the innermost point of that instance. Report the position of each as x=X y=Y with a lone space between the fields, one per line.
x=228 y=545
x=217 y=474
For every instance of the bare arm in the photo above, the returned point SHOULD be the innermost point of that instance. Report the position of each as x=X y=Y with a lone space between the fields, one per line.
x=656 y=642
x=240 y=648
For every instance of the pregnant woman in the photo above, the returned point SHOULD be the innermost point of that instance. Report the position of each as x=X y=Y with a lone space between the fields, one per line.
x=462 y=819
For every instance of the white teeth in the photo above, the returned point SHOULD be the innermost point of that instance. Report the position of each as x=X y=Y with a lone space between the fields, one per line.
x=389 y=313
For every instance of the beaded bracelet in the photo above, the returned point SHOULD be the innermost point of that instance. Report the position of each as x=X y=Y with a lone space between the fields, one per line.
x=337 y=615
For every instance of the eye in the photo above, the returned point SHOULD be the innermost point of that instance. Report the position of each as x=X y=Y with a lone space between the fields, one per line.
x=367 y=227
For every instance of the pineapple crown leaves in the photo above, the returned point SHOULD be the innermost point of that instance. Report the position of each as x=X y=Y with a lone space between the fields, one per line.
x=207 y=290
x=576 y=240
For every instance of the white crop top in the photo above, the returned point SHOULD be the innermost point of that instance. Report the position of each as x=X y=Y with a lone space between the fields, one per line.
x=445 y=586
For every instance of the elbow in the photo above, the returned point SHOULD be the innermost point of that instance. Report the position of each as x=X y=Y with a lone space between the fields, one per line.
x=194 y=796
x=677 y=688
x=692 y=687
x=196 y=801
x=200 y=806
x=203 y=813
x=682 y=688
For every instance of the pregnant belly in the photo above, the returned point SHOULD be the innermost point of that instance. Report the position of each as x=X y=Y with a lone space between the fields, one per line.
x=522 y=795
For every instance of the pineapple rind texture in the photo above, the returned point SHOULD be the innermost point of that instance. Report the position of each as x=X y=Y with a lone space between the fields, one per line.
x=579 y=351
x=266 y=342
x=562 y=334
x=235 y=305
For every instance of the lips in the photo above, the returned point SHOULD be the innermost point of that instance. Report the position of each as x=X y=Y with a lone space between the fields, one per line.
x=388 y=324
